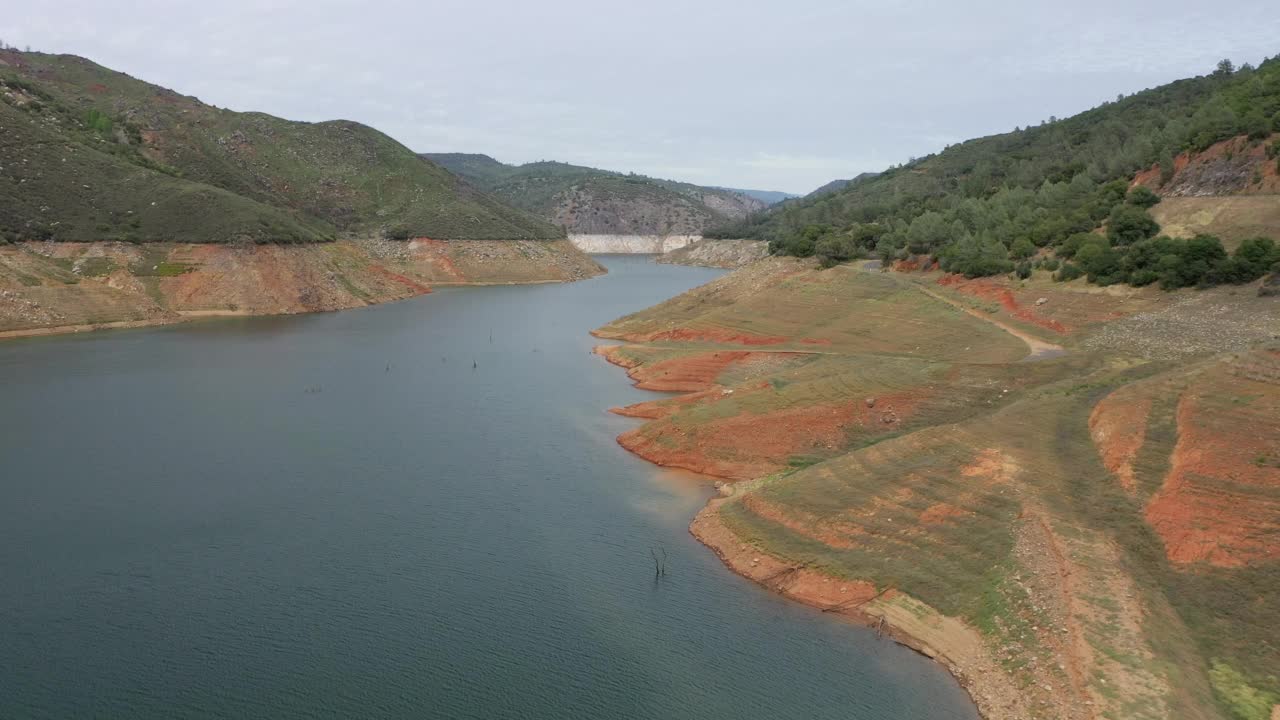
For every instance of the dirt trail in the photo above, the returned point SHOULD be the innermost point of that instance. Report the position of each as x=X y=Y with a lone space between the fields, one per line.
x=1040 y=350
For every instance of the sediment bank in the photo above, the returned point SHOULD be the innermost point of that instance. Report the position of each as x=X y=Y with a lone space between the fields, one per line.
x=51 y=287
x=631 y=244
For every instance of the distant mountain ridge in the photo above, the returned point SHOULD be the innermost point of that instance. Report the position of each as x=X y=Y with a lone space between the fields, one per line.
x=585 y=200
x=835 y=185
x=94 y=154
x=768 y=197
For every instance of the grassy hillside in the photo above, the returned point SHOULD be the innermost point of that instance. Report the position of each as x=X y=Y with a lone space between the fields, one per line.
x=1068 y=494
x=987 y=205
x=591 y=201
x=70 y=123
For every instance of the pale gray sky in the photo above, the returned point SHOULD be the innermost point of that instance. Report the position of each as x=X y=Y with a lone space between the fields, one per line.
x=769 y=95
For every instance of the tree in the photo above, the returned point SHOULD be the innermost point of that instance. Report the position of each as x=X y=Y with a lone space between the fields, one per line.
x=1255 y=125
x=1022 y=249
x=1225 y=68
x=1253 y=259
x=1142 y=197
x=1100 y=262
x=928 y=232
x=1167 y=167
x=834 y=248
x=1128 y=224
x=976 y=256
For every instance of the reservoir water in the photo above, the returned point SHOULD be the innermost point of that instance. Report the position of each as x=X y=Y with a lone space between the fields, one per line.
x=415 y=510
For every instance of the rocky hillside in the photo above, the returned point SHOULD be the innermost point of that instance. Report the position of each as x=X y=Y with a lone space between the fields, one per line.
x=87 y=153
x=1230 y=190
x=589 y=201
x=708 y=252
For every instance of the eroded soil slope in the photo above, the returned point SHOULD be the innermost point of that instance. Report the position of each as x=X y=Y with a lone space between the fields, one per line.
x=1090 y=533
x=59 y=287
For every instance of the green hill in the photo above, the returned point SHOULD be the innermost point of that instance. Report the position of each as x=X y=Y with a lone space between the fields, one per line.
x=591 y=201
x=87 y=153
x=983 y=206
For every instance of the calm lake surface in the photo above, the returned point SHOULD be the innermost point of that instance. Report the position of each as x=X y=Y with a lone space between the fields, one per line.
x=336 y=516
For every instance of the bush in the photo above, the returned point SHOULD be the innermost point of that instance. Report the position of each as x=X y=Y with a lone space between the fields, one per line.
x=1023 y=269
x=1200 y=261
x=1253 y=259
x=1050 y=264
x=1099 y=261
x=1073 y=243
x=1068 y=272
x=1143 y=197
x=1128 y=224
x=98 y=122
x=835 y=248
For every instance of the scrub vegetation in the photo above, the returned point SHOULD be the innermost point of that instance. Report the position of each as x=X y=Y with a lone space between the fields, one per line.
x=87 y=153
x=1011 y=203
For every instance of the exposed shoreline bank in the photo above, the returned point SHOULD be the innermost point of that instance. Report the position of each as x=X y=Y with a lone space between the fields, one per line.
x=186 y=316
x=947 y=641
x=62 y=288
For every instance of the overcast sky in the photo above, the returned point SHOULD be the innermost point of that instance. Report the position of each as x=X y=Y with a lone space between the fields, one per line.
x=768 y=95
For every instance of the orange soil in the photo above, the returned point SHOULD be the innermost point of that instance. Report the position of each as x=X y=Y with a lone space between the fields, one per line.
x=989 y=289
x=690 y=373
x=1151 y=176
x=714 y=335
x=613 y=354
x=938 y=513
x=942 y=639
x=655 y=409
x=1217 y=505
x=747 y=446
x=411 y=284
x=802 y=523
x=439 y=254
x=1118 y=425
x=1253 y=153
x=808 y=586
x=685 y=374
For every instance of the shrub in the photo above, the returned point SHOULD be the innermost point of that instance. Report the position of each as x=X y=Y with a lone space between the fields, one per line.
x=1098 y=260
x=1068 y=272
x=1023 y=269
x=1073 y=243
x=98 y=122
x=1253 y=259
x=1142 y=196
x=834 y=248
x=1128 y=224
